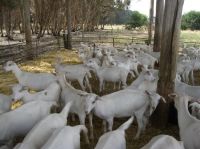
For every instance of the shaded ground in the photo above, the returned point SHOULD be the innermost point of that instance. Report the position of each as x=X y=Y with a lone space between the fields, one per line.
x=43 y=64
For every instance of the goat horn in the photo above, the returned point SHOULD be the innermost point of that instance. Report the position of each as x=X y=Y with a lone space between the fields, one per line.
x=163 y=99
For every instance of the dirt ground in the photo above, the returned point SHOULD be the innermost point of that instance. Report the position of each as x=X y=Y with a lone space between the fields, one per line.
x=43 y=64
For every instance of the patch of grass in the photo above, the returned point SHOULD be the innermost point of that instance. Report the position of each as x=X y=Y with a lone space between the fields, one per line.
x=190 y=36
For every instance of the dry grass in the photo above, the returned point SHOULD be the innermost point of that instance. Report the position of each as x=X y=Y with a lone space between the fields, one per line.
x=43 y=64
x=190 y=36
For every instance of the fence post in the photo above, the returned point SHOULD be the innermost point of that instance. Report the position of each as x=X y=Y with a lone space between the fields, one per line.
x=82 y=36
x=65 y=40
x=132 y=39
x=113 y=41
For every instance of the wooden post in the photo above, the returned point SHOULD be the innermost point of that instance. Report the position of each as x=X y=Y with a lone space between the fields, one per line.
x=158 y=25
x=113 y=42
x=69 y=44
x=169 y=46
x=151 y=12
x=27 y=27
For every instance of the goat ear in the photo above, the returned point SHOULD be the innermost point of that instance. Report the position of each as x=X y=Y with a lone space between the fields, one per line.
x=163 y=99
x=191 y=105
x=172 y=95
x=144 y=67
x=148 y=92
x=83 y=94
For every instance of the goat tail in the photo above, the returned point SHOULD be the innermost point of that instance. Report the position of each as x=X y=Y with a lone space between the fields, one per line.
x=66 y=109
x=127 y=124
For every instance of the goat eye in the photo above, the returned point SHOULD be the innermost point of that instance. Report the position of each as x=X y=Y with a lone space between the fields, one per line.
x=93 y=102
x=9 y=64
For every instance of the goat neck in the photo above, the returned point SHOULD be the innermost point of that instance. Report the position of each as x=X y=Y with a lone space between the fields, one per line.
x=96 y=67
x=99 y=104
x=184 y=117
x=17 y=71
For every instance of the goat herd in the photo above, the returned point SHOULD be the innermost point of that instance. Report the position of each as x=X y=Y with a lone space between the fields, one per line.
x=45 y=130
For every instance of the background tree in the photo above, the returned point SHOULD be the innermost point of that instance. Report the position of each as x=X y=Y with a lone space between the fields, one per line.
x=169 y=46
x=69 y=44
x=150 y=27
x=137 y=20
x=8 y=7
x=158 y=25
x=191 y=20
x=27 y=28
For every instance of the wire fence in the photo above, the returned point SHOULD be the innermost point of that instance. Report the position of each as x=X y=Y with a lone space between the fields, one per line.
x=119 y=38
x=17 y=52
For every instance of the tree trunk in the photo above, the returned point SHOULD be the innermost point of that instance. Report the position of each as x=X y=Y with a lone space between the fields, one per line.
x=1 y=21
x=27 y=29
x=151 y=13
x=22 y=16
x=69 y=44
x=158 y=25
x=7 y=21
x=169 y=46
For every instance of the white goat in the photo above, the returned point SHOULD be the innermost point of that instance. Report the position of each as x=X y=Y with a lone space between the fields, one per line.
x=69 y=93
x=51 y=93
x=146 y=59
x=6 y=100
x=40 y=133
x=189 y=126
x=163 y=142
x=77 y=72
x=129 y=65
x=5 y=103
x=195 y=106
x=114 y=139
x=36 y=81
x=147 y=80
x=123 y=103
x=183 y=88
x=21 y=120
x=65 y=137
x=111 y=74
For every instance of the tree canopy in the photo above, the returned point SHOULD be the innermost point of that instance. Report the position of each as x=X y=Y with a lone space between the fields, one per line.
x=137 y=20
x=191 y=20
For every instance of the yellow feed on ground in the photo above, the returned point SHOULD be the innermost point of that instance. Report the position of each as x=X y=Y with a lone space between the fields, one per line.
x=16 y=104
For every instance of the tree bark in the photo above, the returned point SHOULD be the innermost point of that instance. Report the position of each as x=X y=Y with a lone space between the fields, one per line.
x=1 y=21
x=158 y=25
x=169 y=46
x=151 y=13
x=69 y=44
x=27 y=29
x=7 y=21
x=22 y=16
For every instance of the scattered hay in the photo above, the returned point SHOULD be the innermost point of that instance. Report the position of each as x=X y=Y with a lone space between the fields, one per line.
x=16 y=104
